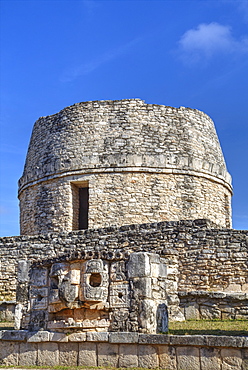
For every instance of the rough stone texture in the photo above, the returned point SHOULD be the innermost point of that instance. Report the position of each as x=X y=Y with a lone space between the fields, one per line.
x=108 y=354
x=148 y=356
x=210 y=359
x=128 y=355
x=87 y=354
x=141 y=162
x=214 y=305
x=128 y=294
x=167 y=357
x=188 y=358
x=28 y=354
x=9 y=353
x=208 y=259
x=168 y=352
x=48 y=354
x=231 y=359
x=68 y=354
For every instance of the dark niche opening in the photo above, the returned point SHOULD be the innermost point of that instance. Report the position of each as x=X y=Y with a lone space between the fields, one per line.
x=95 y=279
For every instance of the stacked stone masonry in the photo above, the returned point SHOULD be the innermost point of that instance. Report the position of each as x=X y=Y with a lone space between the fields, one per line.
x=205 y=352
x=207 y=258
x=141 y=162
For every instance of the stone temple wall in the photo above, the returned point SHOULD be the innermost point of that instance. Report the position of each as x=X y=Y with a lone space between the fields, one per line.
x=208 y=258
x=142 y=163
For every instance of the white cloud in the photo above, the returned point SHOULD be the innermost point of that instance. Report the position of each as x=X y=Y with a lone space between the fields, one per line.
x=88 y=67
x=210 y=39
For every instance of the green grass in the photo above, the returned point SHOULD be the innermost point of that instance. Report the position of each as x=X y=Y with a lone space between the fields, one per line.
x=191 y=327
x=209 y=327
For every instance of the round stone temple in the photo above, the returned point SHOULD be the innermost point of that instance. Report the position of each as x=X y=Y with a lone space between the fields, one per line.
x=102 y=163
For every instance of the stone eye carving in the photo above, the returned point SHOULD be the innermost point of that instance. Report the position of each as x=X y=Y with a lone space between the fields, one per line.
x=95 y=281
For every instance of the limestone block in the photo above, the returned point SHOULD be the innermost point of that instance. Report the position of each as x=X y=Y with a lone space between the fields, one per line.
x=148 y=316
x=167 y=357
x=210 y=313
x=23 y=270
x=13 y=335
x=148 y=356
x=119 y=295
x=192 y=311
x=231 y=358
x=138 y=265
x=48 y=354
x=188 y=358
x=97 y=336
x=128 y=355
x=40 y=336
x=87 y=354
x=142 y=287
x=68 y=354
x=9 y=353
x=28 y=354
x=59 y=269
x=39 y=277
x=108 y=354
x=210 y=359
x=58 y=337
x=121 y=337
x=77 y=337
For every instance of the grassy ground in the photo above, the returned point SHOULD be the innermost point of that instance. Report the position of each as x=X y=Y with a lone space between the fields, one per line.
x=192 y=327
x=210 y=327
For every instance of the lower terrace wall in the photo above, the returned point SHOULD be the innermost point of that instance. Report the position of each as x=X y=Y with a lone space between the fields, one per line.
x=22 y=348
x=200 y=305
x=209 y=259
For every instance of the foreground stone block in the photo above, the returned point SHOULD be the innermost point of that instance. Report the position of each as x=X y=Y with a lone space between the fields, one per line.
x=9 y=353
x=48 y=354
x=28 y=354
x=210 y=359
x=128 y=355
x=108 y=354
x=231 y=359
x=87 y=354
x=148 y=356
x=167 y=357
x=188 y=358
x=68 y=354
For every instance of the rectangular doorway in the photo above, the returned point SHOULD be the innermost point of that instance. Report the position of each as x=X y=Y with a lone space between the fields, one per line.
x=83 y=208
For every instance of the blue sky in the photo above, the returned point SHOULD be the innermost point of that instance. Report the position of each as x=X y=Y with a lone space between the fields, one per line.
x=178 y=53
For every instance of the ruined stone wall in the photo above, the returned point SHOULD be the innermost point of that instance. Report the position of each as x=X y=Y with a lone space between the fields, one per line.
x=209 y=258
x=142 y=163
x=175 y=352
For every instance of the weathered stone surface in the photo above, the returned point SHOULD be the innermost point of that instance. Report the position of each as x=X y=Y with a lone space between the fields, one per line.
x=9 y=353
x=188 y=358
x=123 y=337
x=77 y=337
x=87 y=354
x=108 y=354
x=148 y=356
x=68 y=354
x=167 y=357
x=28 y=354
x=97 y=336
x=210 y=359
x=128 y=355
x=145 y=149
x=40 y=336
x=231 y=358
x=48 y=354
